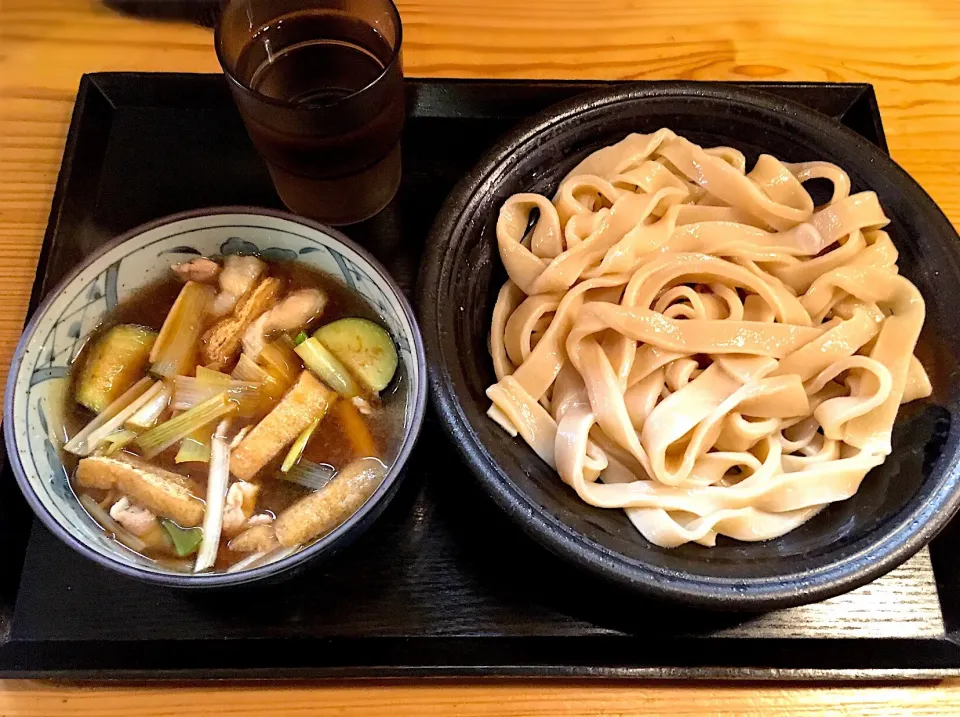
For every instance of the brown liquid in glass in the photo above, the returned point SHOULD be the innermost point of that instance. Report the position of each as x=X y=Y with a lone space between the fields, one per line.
x=342 y=165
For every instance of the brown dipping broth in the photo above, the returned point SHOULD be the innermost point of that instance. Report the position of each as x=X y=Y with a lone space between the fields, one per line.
x=329 y=444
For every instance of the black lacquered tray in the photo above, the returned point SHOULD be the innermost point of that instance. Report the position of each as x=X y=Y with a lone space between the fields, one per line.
x=443 y=585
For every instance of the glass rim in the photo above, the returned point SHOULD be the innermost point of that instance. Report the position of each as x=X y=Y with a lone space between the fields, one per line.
x=231 y=76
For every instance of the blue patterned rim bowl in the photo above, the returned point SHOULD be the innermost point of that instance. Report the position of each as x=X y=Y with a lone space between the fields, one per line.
x=39 y=374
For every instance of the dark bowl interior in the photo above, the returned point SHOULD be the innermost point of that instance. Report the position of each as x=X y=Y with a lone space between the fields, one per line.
x=899 y=507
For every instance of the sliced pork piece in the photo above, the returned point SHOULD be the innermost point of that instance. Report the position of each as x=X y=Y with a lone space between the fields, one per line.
x=140 y=522
x=223 y=340
x=200 y=269
x=297 y=310
x=256 y=539
x=239 y=275
x=320 y=512
x=238 y=507
x=362 y=405
x=164 y=493
x=306 y=402
x=137 y=520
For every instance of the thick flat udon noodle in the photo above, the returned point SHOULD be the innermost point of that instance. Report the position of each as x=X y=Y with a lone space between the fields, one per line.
x=697 y=343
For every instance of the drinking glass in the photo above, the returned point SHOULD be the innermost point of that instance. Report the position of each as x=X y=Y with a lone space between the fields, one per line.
x=319 y=85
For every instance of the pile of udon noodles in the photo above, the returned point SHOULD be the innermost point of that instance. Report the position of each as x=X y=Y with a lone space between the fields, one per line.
x=701 y=345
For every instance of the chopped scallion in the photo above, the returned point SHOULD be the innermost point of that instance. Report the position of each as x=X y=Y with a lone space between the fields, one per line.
x=328 y=368
x=161 y=437
x=150 y=412
x=248 y=370
x=217 y=481
x=296 y=450
x=195 y=448
x=117 y=440
x=95 y=438
x=189 y=392
x=310 y=475
x=76 y=444
x=185 y=540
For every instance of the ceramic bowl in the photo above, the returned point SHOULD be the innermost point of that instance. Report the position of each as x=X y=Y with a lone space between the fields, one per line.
x=900 y=506
x=39 y=374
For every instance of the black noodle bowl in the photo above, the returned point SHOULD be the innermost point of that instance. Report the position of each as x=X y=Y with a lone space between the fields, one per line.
x=900 y=506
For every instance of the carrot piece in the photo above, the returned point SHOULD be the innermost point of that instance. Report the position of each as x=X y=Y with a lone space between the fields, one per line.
x=356 y=429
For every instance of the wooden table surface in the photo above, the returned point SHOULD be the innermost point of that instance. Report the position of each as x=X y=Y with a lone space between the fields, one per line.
x=908 y=49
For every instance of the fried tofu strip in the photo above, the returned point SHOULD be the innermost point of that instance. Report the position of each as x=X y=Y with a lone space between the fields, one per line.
x=160 y=491
x=320 y=512
x=223 y=340
x=257 y=539
x=306 y=402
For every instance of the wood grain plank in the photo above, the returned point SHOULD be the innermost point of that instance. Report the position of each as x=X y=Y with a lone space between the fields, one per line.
x=906 y=597
x=451 y=699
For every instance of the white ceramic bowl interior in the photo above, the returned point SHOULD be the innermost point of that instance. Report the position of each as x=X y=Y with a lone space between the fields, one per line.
x=40 y=371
